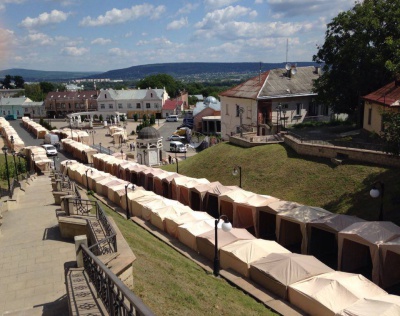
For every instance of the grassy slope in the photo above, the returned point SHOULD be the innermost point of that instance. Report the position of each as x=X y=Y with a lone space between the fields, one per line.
x=171 y=284
x=278 y=171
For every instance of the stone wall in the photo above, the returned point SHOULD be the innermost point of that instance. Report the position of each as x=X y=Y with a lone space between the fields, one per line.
x=325 y=151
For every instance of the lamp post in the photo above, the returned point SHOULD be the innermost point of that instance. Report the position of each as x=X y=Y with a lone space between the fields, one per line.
x=87 y=182
x=109 y=150
x=378 y=189
x=12 y=142
x=238 y=170
x=33 y=161
x=122 y=154
x=5 y=150
x=177 y=164
x=92 y=132
x=128 y=213
x=54 y=161
x=15 y=164
x=226 y=227
x=100 y=147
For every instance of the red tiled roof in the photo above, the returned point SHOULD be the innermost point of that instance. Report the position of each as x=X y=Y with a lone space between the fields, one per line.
x=171 y=104
x=248 y=89
x=388 y=95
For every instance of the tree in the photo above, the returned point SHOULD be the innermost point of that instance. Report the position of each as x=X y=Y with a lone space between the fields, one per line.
x=160 y=81
x=391 y=133
x=359 y=54
x=19 y=82
x=33 y=92
x=46 y=87
x=7 y=82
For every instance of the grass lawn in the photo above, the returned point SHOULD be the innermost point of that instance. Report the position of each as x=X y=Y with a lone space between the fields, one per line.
x=278 y=171
x=171 y=284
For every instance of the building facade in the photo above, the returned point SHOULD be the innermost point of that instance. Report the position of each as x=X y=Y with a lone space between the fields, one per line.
x=271 y=101
x=13 y=107
x=59 y=104
x=382 y=100
x=140 y=101
x=34 y=109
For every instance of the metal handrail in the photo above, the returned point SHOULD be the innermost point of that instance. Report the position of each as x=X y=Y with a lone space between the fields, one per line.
x=115 y=295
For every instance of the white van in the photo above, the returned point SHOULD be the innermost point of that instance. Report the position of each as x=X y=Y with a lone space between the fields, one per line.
x=172 y=118
x=51 y=139
x=177 y=147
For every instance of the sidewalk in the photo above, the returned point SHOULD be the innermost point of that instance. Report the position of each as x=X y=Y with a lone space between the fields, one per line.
x=33 y=256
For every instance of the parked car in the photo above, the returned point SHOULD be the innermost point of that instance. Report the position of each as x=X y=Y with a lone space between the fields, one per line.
x=172 y=118
x=10 y=117
x=50 y=150
x=176 y=138
x=177 y=147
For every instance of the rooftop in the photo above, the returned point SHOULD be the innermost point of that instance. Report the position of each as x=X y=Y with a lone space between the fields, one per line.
x=388 y=95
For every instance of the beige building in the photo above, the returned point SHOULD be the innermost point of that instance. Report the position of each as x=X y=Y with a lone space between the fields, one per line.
x=59 y=104
x=384 y=99
x=135 y=101
x=271 y=101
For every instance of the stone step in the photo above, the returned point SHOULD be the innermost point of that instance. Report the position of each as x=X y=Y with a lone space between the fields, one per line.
x=35 y=311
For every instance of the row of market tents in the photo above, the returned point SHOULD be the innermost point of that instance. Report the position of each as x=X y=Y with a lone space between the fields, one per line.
x=305 y=281
x=10 y=136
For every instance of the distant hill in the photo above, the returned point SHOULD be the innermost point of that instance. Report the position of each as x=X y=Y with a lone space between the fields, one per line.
x=39 y=75
x=188 y=71
x=182 y=70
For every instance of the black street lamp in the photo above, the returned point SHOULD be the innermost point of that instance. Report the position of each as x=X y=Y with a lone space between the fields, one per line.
x=100 y=147
x=33 y=161
x=5 y=150
x=226 y=227
x=87 y=181
x=128 y=185
x=378 y=189
x=15 y=164
x=238 y=170
x=177 y=165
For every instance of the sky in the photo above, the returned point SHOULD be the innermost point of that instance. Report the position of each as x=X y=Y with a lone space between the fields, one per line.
x=88 y=35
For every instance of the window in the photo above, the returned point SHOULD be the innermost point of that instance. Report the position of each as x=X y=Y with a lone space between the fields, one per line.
x=138 y=105
x=105 y=96
x=151 y=95
x=147 y=105
x=110 y=106
x=227 y=110
x=369 y=116
x=102 y=106
x=120 y=106
x=129 y=106
x=156 y=105
x=299 y=107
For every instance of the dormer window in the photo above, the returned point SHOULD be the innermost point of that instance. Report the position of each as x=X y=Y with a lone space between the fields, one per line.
x=105 y=96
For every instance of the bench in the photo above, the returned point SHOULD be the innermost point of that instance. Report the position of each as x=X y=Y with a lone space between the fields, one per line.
x=82 y=297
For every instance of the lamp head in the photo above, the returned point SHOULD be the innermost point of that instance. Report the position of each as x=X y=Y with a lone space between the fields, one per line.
x=235 y=171
x=5 y=149
x=226 y=226
x=374 y=193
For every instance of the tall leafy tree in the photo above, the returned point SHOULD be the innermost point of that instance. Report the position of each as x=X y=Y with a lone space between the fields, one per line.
x=360 y=54
x=7 y=81
x=160 y=81
x=19 y=82
x=46 y=87
x=391 y=133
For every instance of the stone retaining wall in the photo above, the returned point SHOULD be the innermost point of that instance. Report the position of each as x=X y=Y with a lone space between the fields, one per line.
x=325 y=151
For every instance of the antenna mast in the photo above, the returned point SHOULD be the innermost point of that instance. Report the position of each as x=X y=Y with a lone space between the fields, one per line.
x=287 y=48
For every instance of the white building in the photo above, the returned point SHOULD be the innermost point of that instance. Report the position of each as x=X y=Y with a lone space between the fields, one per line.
x=136 y=101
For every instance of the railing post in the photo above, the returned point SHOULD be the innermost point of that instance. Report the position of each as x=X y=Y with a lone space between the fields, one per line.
x=79 y=240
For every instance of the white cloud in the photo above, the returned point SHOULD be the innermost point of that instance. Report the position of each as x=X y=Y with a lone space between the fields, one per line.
x=291 y=8
x=74 y=51
x=117 y=16
x=119 y=52
x=178 y=24
x=45 y=18
x=218 y=3
x=101 y=41
x=225 y=15
x=157 y=41
x=40 y=39
x=187 y=8
x=129 y=34
x=259 y=1
x=3 y=3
